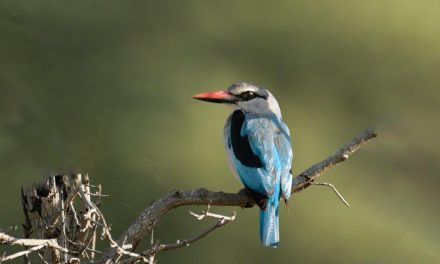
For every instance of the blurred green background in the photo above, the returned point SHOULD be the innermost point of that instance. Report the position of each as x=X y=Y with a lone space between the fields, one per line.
x=105 y=87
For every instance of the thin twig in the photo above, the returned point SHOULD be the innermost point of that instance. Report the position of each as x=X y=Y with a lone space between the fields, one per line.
x=334 y=189
x=33 y=244
x=42 y=258
x=121 y=250
x=93 y=241
x=75 y=214
x=1 y=258
x=21 y=253
x=222 y=220
x=30 y=242
x=206 y=213
x=78 y=182
x=151 y=253
x=99 y=195
x=187 y=242
x=63 y=227
x=86 y=246
x=27 y=226
x=304 y=179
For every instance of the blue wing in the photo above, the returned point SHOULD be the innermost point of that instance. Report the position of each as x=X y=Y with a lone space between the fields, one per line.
x=259 y=151
x=260 y=132
x=285 y=154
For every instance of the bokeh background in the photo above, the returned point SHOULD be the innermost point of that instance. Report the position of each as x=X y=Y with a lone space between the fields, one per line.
x=105 y=87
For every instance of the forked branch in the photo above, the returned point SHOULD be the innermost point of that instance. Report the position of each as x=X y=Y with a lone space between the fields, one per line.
x=150 y=217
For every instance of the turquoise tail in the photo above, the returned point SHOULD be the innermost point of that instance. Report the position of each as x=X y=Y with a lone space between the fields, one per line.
x=269 y=224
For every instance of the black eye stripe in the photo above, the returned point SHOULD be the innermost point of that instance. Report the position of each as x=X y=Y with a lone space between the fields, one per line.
x=248 y=95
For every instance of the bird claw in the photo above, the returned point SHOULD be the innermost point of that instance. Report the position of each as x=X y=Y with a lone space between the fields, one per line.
x=249 y=194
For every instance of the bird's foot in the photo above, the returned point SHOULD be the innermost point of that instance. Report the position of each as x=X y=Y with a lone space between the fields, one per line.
x=249 y=194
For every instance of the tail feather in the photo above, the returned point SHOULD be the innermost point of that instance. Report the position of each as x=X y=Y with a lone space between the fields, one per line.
x=269 y=225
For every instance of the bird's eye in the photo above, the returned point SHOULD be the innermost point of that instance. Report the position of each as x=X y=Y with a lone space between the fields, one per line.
x=247 y=95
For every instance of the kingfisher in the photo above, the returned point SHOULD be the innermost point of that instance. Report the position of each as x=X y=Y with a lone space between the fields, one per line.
x=259 y=151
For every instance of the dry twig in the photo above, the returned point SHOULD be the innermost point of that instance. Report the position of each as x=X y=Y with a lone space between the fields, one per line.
x=33 y=244
x=149 y=255
x=334 y=189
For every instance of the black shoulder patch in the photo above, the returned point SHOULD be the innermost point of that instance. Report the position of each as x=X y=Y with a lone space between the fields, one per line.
x=240 y=145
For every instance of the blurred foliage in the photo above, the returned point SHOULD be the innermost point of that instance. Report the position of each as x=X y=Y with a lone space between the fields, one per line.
x=104 y=87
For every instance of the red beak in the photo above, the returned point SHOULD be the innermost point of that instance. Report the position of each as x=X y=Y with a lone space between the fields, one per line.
x=215 y=97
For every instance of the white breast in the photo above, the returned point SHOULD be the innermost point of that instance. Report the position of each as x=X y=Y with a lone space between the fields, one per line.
x=228 y=147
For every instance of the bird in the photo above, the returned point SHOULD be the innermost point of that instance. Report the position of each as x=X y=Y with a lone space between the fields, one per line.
x=259 y=151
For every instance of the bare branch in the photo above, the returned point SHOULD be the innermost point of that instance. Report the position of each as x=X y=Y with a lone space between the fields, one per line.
x=28 y=242
x=151 y=216
x=149 y=255
x=186 y=242
x=304 y=179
